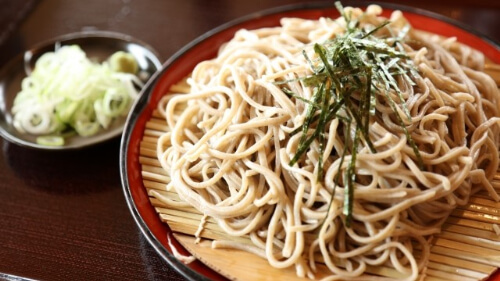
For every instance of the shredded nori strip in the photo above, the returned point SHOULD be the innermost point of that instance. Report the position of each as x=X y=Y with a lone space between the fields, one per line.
x=356 y=62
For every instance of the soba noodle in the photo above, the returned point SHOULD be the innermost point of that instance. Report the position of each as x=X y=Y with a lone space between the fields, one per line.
x=229 y=144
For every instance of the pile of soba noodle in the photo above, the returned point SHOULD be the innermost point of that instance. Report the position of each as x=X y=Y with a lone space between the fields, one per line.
x=229 y=145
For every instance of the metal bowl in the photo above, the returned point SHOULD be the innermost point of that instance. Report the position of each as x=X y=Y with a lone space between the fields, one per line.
x=98 y=45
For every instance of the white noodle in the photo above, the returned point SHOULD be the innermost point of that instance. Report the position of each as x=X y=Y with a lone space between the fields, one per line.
x=229 y=143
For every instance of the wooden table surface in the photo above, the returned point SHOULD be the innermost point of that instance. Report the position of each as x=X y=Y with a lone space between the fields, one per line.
x=63 y=215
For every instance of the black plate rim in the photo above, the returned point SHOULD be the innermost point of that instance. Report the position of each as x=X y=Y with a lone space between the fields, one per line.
x=141 y=104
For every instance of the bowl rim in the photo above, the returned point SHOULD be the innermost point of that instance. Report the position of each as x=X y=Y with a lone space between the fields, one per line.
x=20 y=61
x=141 y=104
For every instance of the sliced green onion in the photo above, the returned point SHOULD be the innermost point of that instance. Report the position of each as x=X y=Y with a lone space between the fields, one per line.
x=50 y=140
x=68 y=92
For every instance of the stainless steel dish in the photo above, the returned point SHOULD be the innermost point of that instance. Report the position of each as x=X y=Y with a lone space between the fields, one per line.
x=98 y=45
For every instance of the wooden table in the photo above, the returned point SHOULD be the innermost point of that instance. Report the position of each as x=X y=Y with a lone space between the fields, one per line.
x=63 y=215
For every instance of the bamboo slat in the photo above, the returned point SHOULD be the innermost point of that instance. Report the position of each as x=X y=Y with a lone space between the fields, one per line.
x=467 y=248
x=234 y=264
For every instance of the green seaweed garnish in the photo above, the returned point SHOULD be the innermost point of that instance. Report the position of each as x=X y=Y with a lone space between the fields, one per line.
x=349 y=72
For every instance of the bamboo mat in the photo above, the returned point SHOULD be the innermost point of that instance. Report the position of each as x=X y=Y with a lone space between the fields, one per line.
x=467 y=249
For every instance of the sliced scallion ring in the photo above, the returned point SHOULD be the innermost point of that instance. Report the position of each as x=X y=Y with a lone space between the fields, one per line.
x=50 y=140
x=66 y=92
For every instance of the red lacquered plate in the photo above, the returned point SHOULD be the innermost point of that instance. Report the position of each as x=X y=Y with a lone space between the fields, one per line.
x=205 y=47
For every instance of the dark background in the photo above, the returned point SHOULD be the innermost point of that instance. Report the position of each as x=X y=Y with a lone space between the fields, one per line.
x=63 y=215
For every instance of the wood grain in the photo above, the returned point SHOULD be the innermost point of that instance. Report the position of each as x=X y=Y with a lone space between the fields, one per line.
x=63 y=216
